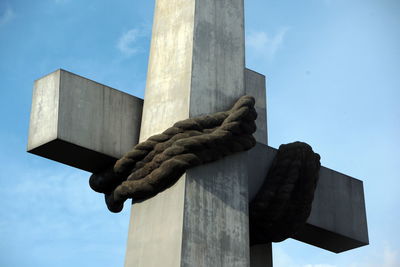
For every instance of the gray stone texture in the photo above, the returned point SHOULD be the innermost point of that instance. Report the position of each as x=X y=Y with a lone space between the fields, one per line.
x=157 y=163
x=82 y=123
x=338 y=219
x=255 y=86
x=260 y=255
x=196 y=67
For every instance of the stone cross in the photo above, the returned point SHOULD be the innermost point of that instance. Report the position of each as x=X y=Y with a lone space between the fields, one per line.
x=197 y=66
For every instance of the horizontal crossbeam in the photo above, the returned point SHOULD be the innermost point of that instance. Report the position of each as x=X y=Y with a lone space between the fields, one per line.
x=82 y=123
x=338 y=219
x=88 y=125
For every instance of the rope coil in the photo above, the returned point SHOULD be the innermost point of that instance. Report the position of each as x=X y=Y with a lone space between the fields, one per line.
x=284 y=201
x=282 y=204
x=156 y=164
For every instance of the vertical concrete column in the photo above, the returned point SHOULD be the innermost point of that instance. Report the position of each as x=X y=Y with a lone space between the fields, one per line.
x=196 y=67
x=256 y=86
x=215 y=229
x=260 y=255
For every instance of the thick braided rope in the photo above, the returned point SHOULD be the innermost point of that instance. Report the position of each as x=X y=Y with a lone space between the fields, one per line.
x=156 y=164
x=284 y=201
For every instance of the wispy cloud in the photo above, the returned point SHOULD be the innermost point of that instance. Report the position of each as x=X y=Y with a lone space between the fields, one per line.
x=281 y=258
x=264 y=44
x=51 y=213
x=7 y=16
x=390 y=257
x=384 y=256
x=128 y=43
x=387 y=257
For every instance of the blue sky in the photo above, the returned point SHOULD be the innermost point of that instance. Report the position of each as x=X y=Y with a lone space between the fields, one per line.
x=333 y=71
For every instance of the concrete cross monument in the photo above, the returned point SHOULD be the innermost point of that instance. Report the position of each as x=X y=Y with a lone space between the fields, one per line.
x=196 y=67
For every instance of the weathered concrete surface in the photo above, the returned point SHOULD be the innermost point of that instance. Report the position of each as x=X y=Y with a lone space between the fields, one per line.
x=196 y=67
x=255 y=86
x=217 y=78
x=155 y=231
x=260 y=255
x=155 y=238
x=82 y=123
x=215 y=231
x=216 y=208
x=169 y=70
x=338 y=219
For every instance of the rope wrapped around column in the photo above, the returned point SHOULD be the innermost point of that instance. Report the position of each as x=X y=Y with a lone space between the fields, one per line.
x=284 y=201
x=281 y=206
x=157 y=163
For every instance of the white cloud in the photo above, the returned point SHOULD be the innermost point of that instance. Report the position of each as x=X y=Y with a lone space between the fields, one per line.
x=388 y=257
x=264 y=44
x=54 y=200
x=282 y=259
x=53 y=215
x=45 y=189
x=384 y=256
x=7 y=16
x=127 y=43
